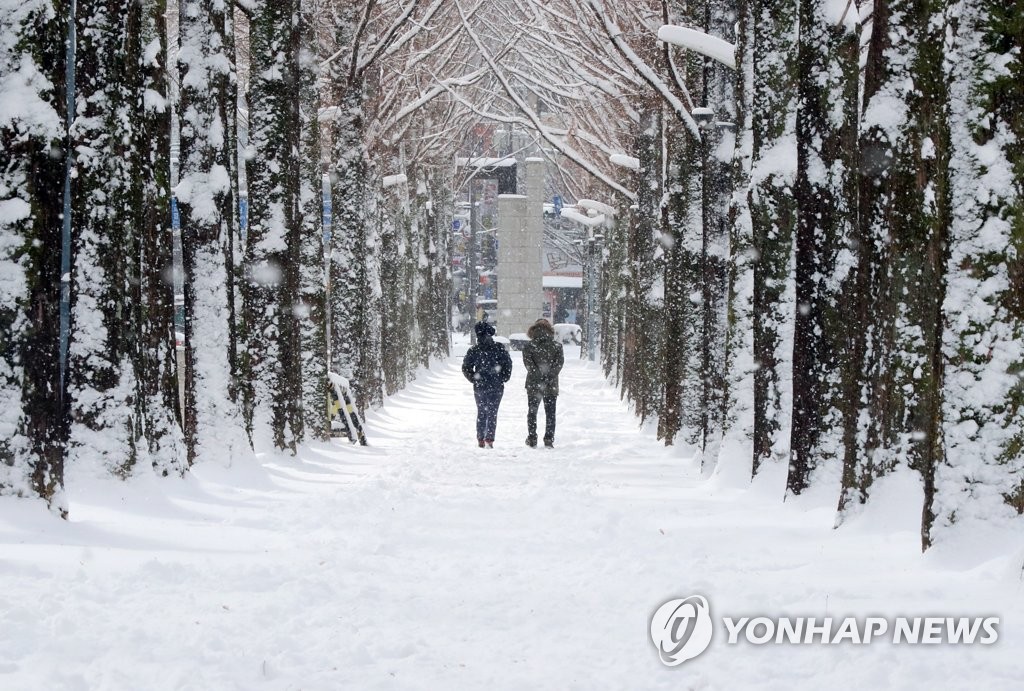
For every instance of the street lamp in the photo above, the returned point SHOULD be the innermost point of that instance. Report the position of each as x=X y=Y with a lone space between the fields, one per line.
x=703 y=117
x=699 y=42
x=599 y=207
x=471 y=269
x=625 y=161
x=594 y=245
x=592 y=240
x=716 y=144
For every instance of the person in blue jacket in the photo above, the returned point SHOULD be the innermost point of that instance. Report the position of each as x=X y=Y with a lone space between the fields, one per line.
x=488 y=366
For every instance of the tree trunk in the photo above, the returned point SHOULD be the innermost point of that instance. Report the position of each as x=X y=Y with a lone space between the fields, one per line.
x=104 y=345
x=773 y=216
x=273 y=257
x=33 y=412
x=157 y=395
x=213 y=424
x=981 y=474
x=894 y=376
x=826 y=158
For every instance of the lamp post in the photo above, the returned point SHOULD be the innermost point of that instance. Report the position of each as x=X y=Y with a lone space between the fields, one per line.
x=714 y=169
x=327 y=216
x=65 y=245
x=326 y=219
x=630 y=257
x=177 y=255
x=177 y=275
x=704 y=118
x=471 y=275
x=591 y=340
x=591 y=242
x=609 y=212
x=594 y=241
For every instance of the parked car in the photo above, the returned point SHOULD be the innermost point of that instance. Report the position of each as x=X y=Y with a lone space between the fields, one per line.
x=569 y=333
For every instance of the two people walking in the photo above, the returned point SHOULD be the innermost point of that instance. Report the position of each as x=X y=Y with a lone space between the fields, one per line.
x=488 y=366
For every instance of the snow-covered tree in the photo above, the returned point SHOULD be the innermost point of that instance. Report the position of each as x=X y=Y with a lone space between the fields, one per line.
x=642 y=376
x=895 y=375
x=156 y=397
x=273 y=256
x=980 y=475
x=353 y=347
x=696 y=273
x=312 y=302
x=212 y=421
x=370 y=41
x=120 y=344
x=767 y=61
x=32 y=174
x=825 y=192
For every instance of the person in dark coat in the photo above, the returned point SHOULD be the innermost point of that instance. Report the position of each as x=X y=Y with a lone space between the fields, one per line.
x=488 y=366
x=543 y=359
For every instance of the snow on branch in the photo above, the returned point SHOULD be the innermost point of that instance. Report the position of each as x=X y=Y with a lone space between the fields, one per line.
x=525 y=108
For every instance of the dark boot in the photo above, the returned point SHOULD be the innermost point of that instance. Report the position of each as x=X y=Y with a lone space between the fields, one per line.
x=480 y=443
x=531 y=441
x=549 y=443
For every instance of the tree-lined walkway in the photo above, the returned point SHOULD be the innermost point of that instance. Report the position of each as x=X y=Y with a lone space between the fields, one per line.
x=424 y=562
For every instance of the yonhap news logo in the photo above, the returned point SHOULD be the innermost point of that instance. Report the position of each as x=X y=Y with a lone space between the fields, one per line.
x=682 y=628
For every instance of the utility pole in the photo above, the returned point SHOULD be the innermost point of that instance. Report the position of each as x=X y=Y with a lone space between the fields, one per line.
x=704 y=117
x=471 y=256
x=591 y=297
x=325 y=189
x=65 y=250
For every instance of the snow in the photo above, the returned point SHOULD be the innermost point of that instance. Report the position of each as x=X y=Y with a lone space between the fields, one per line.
x=699 y=42
x=841 y=13
x=14 y=210
x=154 y=101
x=624 y=161
x=392 y=180
x=328 y=113
x=562 y=281
x=21 y=107
x=589 y=221
x=778 y=161
x=599 y=207
x=422 y=562
x=887 y=112
x=201 y=190
x=485 y=162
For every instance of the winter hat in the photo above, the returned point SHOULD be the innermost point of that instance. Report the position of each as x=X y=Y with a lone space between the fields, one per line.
x=483 y=329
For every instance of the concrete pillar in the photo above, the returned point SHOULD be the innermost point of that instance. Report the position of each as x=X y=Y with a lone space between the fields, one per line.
x=520 y=243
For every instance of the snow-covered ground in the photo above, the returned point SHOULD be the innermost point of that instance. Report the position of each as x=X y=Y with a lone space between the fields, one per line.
x=423 y=562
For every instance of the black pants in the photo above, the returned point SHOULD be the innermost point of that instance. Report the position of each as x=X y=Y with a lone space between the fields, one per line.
x=487 y=402
x=549 y=416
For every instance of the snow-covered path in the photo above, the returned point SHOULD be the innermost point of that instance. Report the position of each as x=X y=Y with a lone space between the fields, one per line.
x=423 y=562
